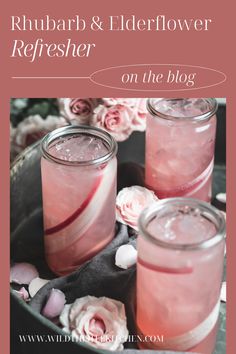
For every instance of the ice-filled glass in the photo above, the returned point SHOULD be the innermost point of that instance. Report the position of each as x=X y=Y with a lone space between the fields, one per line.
x=179 y=274
x=180 y=143
x=78 y=170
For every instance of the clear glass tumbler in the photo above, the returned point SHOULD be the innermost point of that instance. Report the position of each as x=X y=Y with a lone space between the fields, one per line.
x=78 y=170
x=179 y=274
x=180 y=143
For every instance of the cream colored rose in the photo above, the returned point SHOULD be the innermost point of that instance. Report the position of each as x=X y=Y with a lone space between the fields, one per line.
x=100 y=322
x=130 y=202
x=116 y=120
x=77 y=110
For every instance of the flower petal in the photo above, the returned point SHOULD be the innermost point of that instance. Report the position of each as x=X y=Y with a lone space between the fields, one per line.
x=54 y=304
x=126 y=256
x=36 y=284
x=23 y=273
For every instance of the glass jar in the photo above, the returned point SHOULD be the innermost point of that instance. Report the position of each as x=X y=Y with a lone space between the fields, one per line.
x=78 y=170
x=179 y=275
x=180 y=143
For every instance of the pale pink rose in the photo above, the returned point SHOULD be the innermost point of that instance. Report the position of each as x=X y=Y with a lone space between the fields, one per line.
x=130 y=202
x=130 y=102
x=31 y=130
x=116 y=120
x=139 y=121
x=138 y=105
x=22 y=294
x=77 y=110
x=100 y=322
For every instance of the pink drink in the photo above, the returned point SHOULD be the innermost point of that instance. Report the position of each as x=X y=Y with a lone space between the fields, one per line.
x=79 y=189
x=179 y=273
x=180 y=142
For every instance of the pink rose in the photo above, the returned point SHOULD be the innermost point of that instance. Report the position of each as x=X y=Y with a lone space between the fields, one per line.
x=130 y=102
x=101 y=322
x=22 y=294
x=77 y=110
x=139 y=121
x=116 y=120
x=31 y=130
x=138 y=106
x=130 y=202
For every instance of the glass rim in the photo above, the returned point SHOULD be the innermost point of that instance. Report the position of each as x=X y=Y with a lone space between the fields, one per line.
x=150 y=212
x=84 y=129
x=202 y=117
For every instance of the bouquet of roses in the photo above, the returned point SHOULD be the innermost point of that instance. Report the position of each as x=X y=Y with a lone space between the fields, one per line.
x=118 y=116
